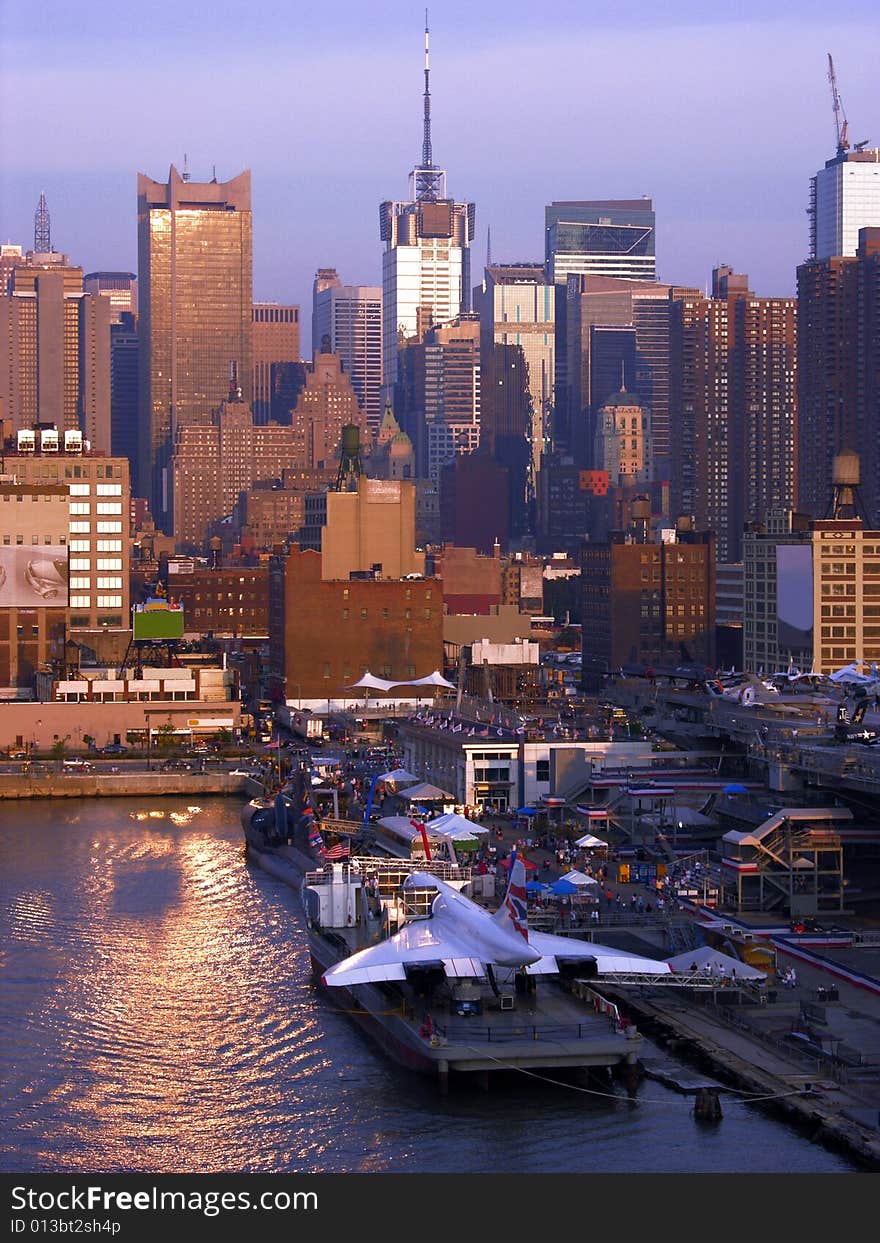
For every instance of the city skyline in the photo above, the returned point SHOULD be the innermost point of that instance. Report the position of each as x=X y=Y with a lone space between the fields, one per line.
x=644 y=112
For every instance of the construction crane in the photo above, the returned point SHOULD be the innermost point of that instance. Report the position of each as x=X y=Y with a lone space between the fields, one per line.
x=841 y=124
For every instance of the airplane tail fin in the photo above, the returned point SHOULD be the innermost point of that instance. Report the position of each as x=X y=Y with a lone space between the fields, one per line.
x=512 y=913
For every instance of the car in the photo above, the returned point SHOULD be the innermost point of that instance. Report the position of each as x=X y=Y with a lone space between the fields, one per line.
x=17 y=755
x=76 y=762
x=114 y=748
x=239 y=772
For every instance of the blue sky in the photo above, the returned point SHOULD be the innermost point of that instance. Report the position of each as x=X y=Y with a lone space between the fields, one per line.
x=721 y=112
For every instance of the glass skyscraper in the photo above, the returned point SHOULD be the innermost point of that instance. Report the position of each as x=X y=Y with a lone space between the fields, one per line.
x=844 y=197
x=606 y=237
x=195 y=300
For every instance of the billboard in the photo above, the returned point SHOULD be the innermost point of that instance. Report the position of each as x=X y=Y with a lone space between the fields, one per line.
x=794 y=597
x=435 y=219
x=157 y=620
x=33 y=577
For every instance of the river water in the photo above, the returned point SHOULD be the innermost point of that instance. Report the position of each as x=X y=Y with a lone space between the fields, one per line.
x=158 y=1015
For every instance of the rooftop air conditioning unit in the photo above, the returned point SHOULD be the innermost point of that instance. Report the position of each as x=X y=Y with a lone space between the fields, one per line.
x=506 y=1001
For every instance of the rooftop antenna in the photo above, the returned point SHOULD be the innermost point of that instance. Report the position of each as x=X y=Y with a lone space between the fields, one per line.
x=42 y=232
x=841 y=125
x=427 y=154
x=489 y=247
x=185 y=167
x=214 y=173
x=428 y=179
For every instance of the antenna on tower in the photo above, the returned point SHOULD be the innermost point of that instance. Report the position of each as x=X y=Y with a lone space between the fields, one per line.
x=185 y=174
x=489 y=247
x=42 y=231
x=841 y=125
x=427 y=154
x=428 y=179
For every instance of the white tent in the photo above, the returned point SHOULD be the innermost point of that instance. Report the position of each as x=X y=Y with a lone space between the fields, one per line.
x=589 y=841
x=451 y=822
x=426 y=793
x=369 y=682
x=579 y=878
x=399 y=776
x=433 y=679
x=711 y=962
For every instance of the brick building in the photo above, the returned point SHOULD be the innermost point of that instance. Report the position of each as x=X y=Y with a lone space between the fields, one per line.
x=648 y=601
x=325 y=634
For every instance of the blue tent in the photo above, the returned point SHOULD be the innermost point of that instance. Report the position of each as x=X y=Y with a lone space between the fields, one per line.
x=535 y=886
x=563 y=887
x=526 y=811
x=736 y=788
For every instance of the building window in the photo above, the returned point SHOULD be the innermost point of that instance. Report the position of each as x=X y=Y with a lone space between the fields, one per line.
x=542 y=770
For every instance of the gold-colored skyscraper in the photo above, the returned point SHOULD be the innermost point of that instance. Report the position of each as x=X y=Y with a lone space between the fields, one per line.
x=195 y=280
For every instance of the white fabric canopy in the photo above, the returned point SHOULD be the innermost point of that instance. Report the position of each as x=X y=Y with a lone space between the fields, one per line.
x=398 y=775
x=451 y=822
x=433 y=679
x=425 y=792
x=589 y=840
x=579 y=878
x=369 y=682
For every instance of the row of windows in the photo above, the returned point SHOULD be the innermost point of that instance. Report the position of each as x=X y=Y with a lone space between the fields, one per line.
x=407 y=613
x=35 y=539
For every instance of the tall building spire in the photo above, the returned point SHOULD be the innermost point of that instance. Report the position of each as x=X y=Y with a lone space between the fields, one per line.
x=427 y=155
x=430 y=182
x=42 y=232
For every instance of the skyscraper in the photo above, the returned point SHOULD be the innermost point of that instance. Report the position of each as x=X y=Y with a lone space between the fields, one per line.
x=844 y=197
x=838 y=352
x=733 y=404
x=517 y=306
x=426 y=262
x=351 y=317
x=54 y=349
x=196 y=301
x=605 y=237
x=326 y=403
x=276 y=341
x=119 y=288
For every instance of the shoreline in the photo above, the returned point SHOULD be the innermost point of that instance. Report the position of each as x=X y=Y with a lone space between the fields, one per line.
x=118 y=785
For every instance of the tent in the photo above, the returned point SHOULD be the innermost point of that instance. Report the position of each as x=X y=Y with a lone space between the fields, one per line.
x=710 y=961
x=536 y=886
x=526 y=811
x=590 y=842
x=579 y=879
x=563 y=886
x=451 y=823
x=399 y=776
x=371 y=683
x=424 y=792
x=433 y=679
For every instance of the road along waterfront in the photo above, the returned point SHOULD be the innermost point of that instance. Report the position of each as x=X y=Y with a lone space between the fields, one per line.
x=158 y=1015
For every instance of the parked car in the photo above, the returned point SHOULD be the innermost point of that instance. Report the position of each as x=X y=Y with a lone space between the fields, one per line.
x=114 y=748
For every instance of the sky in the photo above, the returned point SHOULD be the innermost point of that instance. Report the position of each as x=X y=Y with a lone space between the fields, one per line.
x=720 y=112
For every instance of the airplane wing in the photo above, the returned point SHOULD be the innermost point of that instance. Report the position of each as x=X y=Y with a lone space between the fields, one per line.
x=555 y=950
x=423 y=943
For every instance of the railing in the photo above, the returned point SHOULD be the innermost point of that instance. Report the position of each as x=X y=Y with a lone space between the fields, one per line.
x=818 y=1063
x=468 y=1033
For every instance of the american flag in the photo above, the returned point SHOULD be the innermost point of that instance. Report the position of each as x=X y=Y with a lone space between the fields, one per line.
x=339 y=851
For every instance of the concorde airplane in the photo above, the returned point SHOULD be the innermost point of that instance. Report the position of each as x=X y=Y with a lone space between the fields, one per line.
x=467 y=939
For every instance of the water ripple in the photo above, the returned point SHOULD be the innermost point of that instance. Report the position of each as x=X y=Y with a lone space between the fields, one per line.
x=158 y=1015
